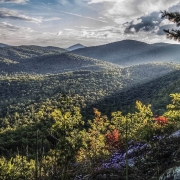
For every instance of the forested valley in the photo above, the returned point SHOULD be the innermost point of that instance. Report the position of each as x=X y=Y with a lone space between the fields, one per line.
x=67 y=114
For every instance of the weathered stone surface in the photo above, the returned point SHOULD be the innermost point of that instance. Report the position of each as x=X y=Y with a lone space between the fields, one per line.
x=86 y=177
x=171 y=174
x=175 y=134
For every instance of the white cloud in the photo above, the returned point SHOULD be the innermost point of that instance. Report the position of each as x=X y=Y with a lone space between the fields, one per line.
x=81 y=27
x=52 y=19
x=59 y=33
x=86 y=17
x=122 y=19
x=100 y=1
x=11 y=14
x=103 y=33
x=14 y=1
x=4 y=26
x=68 y=29
x=17 y=35
x=107 y=33
x=10 y=32
x=8 y=26
x=165 y=22
x=126 y=10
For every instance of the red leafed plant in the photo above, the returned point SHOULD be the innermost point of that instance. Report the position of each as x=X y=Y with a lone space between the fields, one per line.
x=113 y=139
x=161 y=120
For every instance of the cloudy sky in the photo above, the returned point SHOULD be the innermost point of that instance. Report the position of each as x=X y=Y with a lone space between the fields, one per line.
x=63 y=23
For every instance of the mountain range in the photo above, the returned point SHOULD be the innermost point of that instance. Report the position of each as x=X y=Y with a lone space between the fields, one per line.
x=43 y=60
x=71 y=90
x=130 y=52
x=35 y=80
x=54 y=60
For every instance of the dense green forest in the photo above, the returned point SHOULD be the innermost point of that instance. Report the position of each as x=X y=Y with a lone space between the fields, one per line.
x=58 y=145
x=84 y=89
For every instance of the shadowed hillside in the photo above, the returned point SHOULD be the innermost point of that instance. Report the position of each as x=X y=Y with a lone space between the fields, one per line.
x=155 y=92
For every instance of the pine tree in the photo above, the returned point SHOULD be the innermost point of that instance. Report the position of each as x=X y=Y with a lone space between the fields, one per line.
x=175 y=18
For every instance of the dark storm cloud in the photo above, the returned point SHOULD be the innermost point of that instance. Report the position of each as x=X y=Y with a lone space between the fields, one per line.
x=10 y=14
x=145 y=23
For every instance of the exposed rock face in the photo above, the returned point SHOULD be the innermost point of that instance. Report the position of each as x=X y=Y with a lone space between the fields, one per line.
x=118 y=160
x=171 y=174
x=176 y=134
x=143 y=159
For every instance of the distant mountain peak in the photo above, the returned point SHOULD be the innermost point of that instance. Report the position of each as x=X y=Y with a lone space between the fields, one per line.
x=131 y=52
x=75 y=46
x=3 y=45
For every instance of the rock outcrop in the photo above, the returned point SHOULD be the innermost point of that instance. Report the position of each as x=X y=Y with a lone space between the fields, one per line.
x=171 y=174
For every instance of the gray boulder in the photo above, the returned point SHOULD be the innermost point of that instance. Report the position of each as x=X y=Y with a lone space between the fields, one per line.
x=171 y=174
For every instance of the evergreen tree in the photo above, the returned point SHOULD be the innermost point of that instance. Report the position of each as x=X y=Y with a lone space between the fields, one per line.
x=175 y=18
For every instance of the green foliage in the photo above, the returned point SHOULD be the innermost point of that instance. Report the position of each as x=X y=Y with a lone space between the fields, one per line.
x=173 y=110
x=67 y=130
x=136 y=124
x=74 y=143
x=94 y=140
x=17 y=168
